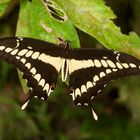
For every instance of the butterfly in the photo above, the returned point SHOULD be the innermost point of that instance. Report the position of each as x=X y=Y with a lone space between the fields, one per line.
x=87 y=70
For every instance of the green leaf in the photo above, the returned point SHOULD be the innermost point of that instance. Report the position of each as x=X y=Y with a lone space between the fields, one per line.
x=95 y=18
x=23 y=20
x=48 y=28
x=3 y=6
x=36 y=21
x=34 y=18
x=4 y=1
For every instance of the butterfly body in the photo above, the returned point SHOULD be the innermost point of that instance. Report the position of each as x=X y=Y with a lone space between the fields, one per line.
x=87 y=70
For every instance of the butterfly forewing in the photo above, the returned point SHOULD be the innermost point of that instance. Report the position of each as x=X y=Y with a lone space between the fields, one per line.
x=36 y=60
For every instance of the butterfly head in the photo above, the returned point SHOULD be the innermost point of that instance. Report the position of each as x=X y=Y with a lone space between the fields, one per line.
x=66 y=44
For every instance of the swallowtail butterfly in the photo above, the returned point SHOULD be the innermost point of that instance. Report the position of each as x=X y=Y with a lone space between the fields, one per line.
x=87 y=70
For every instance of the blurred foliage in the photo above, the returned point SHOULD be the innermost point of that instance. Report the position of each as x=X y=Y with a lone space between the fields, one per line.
x=3 y=6
x=117 y=106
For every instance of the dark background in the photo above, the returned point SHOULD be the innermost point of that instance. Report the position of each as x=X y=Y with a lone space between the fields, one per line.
x=117 y=106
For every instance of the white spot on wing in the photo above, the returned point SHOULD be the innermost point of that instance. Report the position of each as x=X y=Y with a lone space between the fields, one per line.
x=22 y=52
x=108 y=71
x=42 y=82
x=79 y=104
x=119 y=65
x=114 y=70
x=28 y=65
x=29 y=53
x=2 y=48
x=42 y=56
x=102 y=74
x=20 y=38
x=125 y=65
x=29 y=47
x=99 y=91
x=111 y=64
x=92 y=97
x=17 y=45
x=37 y=77
x=86 y=104
x=132 y=65
x=115 y=52
x=97 y=63
x=17 y=57
x=14 y=52
x=46 y=87
x=89 y=85
x=83 y=89
x=96 y=78
x=23 y=60
x=117 y=57
x=33 y=71
x=35 y=55
x=104 y=63
x=8 y=50
x=77 y=92
x=104 y=57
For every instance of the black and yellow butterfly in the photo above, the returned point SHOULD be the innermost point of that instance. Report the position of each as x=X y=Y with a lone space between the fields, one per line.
x=87 y=70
